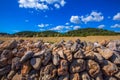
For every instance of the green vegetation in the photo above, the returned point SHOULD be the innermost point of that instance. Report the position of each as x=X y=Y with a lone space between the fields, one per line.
x=80 y=32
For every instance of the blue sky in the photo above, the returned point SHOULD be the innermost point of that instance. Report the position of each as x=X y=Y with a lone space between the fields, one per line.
x=58 y=15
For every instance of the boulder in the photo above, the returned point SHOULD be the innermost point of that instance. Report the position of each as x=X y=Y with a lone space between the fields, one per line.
x=85 y=76
x=68 y=55
x=56 y=59
x=79 y=54
x=75 y=76
x=115 y=58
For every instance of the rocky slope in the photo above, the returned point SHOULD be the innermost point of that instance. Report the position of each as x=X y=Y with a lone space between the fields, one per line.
x=60 y=61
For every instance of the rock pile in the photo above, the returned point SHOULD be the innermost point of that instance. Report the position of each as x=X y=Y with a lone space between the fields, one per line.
x=60 y=61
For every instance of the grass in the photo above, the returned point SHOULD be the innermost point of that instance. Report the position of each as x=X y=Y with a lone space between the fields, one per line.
x=57 y=39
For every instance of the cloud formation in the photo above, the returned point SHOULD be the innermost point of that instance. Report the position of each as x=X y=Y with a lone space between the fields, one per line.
x=92 y=17
x=75 y=19
x=42 y=25
x=41 y=4
x=115 y=26
x=76 y=27
x=117 y=16
x=101 y=26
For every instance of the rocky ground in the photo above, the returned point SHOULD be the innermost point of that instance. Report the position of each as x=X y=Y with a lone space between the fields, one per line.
x=68 y=60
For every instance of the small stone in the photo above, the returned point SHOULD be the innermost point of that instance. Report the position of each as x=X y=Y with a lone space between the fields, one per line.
x=93 y=68
x=77 y=66
x=63 y=69
x=26 y=56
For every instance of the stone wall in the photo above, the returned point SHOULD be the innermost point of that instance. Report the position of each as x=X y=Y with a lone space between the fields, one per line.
x=65 y=60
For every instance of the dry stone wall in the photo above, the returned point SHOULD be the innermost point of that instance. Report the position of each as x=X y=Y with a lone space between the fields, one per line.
x=65 y=60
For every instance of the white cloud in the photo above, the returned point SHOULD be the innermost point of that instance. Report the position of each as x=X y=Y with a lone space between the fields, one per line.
x=57 y=28
x=57 y=6
x=75 y=19
x=67 y=23
x=43 y=25
x=101 y=26
x=117 y=16
x=26 y=20
x=93 y=16
x=115 y=26
x=41 y=4
x=76 y=27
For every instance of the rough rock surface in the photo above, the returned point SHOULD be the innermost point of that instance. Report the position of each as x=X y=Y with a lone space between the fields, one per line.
x=68 y=60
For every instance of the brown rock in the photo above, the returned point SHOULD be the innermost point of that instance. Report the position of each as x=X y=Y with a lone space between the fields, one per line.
x=63 y=68
x=115 y=58
x=85 y=76
x=98 y=58
x=109 y=68
x=79 y=54
x=61 y=54
x=65 y=77
x=106 y=53
x=26 y=68
x=56 y=59
x=103 y=42
x=77 y=66
x=117 y=75
x=75 y=76
x=68 y=55
x=89 y=55
x=11 y=74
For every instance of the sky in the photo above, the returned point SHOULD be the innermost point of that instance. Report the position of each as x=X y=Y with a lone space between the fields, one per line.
x=58 y=15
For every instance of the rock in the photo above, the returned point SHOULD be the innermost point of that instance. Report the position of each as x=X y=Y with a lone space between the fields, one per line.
x=39 y=54
x=85 y=76
x=20 y=52
x=99 y=77
x=106 y=53
x=79 y=54
x=90 y=46
x=38 y=44
x=16 y=63
x=26 y=56
x=6 y=69
x=115 y=58
x=110 y=78
x=49 y=72
x=7 y=54
x=117 y=75
x=47 y=57
x=93 y=68
x=1 y=41
x=56 y=59
x=77 y=66
x=11 y=74
x=103 y=42
x=109 y=68
x=89 y=55
x=32 y=75
x=61 y=54
x=65 y=77
x=75 y=76
x=68 y=55
x=63 y=68
x=3 y=62
x=26 y=68
x=36 y=63
x=98 y=58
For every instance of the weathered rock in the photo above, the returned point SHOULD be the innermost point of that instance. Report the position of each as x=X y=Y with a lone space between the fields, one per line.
x=103 y=42
x=110 y=78
x=36 y=63
x=49 y=72
x=68 y=55
x=106 y=53
x=65 y=77
x=25 y=68
x=79 y=54
x=61 y=54
x=63 y=68
x=47 y=57
x=90 y=46
x=26 y=56
x=39 y=54
x=98 y=58
x=109 y=68
x=117 y=75
x=11 y=75
x=99 y=77
x=6 y=69
x=56 y=59
x=16 y=63
x=7 y=54
x=115 y=58
x=75 y=76
x=89 y=55
x=85 y=76
x=77 y=66
x=93 y=68
x=32 y=75
x=3 y=62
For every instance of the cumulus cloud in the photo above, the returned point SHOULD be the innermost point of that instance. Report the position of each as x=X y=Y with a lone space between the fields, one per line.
x=93 y=16
x=117 y=16
x=41 y=4
x=43 y=25
x=115 y=26
x=67 y=23
x=75 y=19
x=101 y=26
x=57 y=28
x=76 y=27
